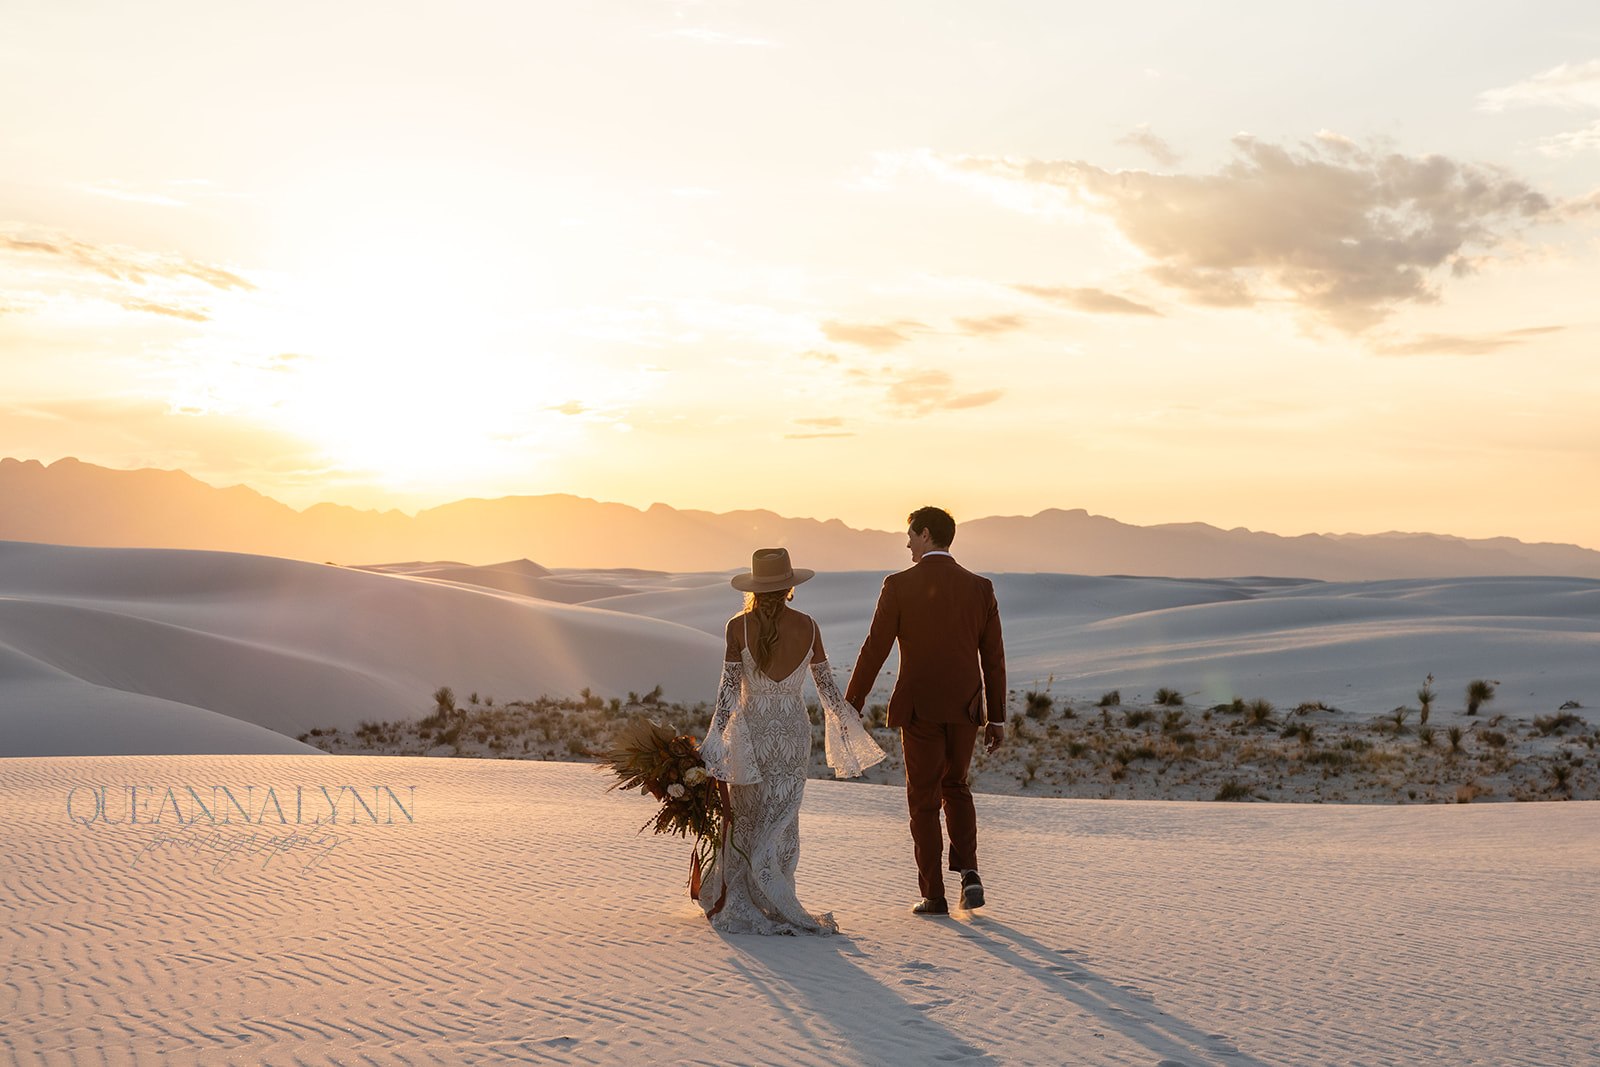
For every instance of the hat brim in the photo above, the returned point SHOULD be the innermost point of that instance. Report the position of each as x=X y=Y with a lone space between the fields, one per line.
x=749 y=583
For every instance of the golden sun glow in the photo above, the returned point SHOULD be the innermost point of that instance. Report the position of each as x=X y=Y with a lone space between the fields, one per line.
x=458 y=257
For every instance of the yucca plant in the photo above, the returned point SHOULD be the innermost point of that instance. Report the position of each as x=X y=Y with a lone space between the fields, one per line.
x=1479 y=693
x=1425 y=697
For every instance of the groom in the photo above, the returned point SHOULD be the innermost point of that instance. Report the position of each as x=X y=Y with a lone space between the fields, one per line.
x=952 y=670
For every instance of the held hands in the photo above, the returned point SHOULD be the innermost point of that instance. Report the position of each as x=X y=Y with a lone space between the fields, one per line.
x=994 y=734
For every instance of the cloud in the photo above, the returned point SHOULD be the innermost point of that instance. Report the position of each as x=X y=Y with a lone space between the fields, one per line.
x=1141 y=138
x=1582 y=205
x=1095 y=301
x=1435 y=344
x=973 y=400
x=571 y=407
x=925 y=392
x=1570 y=85
x=830 y=420
x=164 y=309
x=114 y=190
x=814 y=436
x=1572 y=142
x=122 y=264
x=1346 y=233
x=989 y=325
x=877 y=336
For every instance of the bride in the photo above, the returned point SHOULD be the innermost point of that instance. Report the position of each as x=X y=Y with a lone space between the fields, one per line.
x=760 y=743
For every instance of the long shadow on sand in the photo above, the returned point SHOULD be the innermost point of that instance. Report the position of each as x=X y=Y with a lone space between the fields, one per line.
x=810 y=981
x=1121 y=1008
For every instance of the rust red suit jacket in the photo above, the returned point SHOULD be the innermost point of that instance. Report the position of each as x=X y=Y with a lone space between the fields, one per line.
x=952 y=659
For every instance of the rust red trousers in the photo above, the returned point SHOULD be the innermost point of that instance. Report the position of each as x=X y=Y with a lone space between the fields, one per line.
x=937 y=757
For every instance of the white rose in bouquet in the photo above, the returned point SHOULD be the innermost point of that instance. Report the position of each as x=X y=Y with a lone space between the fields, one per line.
x=676 y=790
x=694 y=775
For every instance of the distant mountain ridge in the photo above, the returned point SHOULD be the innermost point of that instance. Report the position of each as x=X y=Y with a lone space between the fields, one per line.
x=75 y=503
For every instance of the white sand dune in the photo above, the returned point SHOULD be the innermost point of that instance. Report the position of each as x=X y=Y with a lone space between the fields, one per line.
x=520 y=918
x=287 y=646
x=1361 y=646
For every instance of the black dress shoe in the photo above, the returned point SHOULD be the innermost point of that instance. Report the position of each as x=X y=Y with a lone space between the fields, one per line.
x=971 y=890
x=929 y=906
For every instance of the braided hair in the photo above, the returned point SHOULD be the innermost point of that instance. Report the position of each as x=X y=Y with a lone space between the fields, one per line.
x=766 y=607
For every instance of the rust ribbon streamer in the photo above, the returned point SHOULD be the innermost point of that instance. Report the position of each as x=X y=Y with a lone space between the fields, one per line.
x=695 y=873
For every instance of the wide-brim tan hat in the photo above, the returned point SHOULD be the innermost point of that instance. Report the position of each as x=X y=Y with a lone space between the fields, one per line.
x=769 y=572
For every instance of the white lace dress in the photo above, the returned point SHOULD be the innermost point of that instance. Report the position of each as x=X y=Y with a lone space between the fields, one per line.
x=760 y=743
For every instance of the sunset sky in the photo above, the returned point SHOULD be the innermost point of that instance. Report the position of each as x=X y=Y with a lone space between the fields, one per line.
x=1298 y=267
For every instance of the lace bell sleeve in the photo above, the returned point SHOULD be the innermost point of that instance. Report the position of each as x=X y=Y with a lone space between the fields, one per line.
x=846 y=744
x=727 y=749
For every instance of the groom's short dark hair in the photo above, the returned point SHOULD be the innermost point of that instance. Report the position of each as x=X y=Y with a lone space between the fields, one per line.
x=937 y=521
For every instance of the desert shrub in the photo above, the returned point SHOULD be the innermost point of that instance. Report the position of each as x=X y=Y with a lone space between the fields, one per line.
x=1030 y=769
x=1126 y=754
x=445 y=699
x=1232 y=707
x=1454 y=735
x=1076 y=748
x=1555 y=724
x=1560 y=777
x=1037 y=705
x=1169 y=697
x=576 y=746
x=1173 y=721
x=1307 y=707
x=1493 y=738
x=1479 y=693
x=1332 y=758
x=1134 y=718
x=1425 y=697
x=1396 y=722
x=1304 y=732
x=1425 y=736
x=1111 y=698
x=1259 y=713
x=1234 y=790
